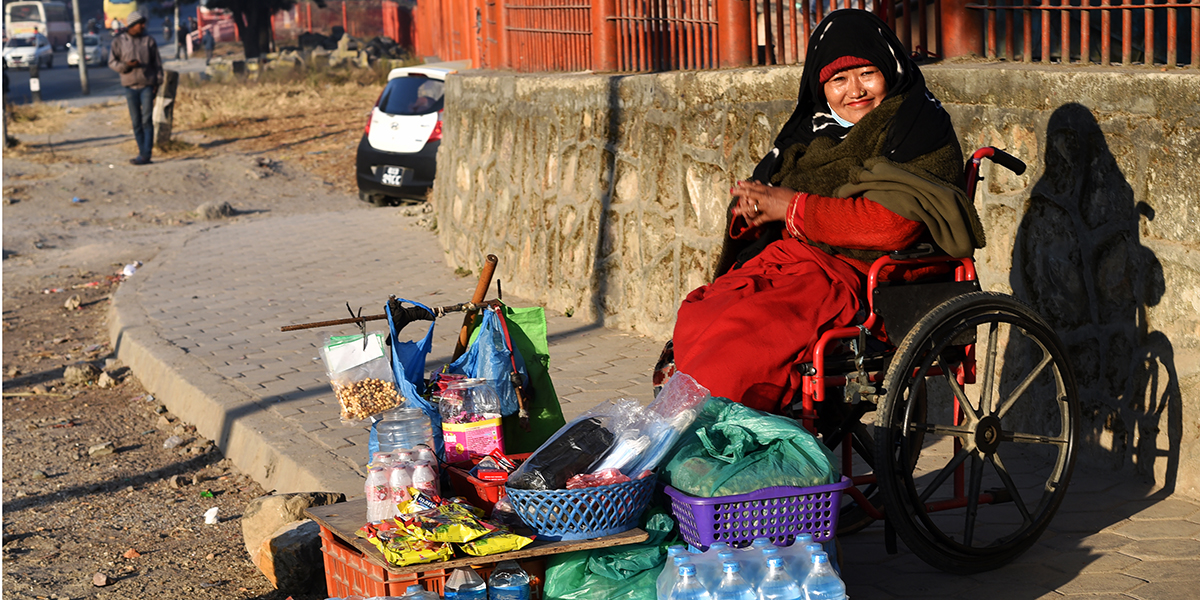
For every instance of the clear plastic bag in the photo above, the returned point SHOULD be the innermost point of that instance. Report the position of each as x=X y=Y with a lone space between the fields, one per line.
x=360 y=375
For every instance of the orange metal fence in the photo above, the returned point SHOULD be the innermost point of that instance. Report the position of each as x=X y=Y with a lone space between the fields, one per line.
x=1094 y=31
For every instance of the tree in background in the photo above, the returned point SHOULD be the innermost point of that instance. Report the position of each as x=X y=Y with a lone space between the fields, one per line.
x=253 y=20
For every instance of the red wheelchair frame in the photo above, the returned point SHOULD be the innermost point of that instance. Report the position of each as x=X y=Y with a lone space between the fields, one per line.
x=864 y=383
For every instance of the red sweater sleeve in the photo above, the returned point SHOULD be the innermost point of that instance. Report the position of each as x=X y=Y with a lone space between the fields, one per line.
x=858 y=223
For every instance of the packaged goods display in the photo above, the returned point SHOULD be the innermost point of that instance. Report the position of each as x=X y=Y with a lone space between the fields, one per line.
x=470 y=410
x=361 y=375
x=760 y=571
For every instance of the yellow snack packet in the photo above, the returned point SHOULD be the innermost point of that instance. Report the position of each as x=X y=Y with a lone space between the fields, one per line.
x=495 y=542
x=449 y=523
x=403 y=551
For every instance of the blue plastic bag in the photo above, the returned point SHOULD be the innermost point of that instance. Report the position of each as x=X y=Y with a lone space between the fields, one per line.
x=408 y=368
x=488 y=357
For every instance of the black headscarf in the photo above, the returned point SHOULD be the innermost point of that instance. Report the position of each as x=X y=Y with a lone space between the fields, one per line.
x=920 y=124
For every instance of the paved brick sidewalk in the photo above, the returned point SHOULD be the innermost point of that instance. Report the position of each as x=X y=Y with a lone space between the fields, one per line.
x=199 y=325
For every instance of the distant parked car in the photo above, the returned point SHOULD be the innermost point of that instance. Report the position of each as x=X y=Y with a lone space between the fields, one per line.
x=95 y=51
x=22 y=51
x=397 y=157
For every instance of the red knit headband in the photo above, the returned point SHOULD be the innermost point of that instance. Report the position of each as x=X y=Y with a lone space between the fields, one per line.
x=841 y=64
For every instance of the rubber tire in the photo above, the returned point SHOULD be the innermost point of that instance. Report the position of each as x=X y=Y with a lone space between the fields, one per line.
x=895 y=484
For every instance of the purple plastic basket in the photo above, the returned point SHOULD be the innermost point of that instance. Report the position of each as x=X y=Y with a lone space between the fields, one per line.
x=778 y=513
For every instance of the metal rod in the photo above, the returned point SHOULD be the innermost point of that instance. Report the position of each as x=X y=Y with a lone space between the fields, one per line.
x=437 y=311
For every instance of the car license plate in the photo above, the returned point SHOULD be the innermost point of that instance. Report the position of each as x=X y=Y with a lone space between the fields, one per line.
x=393 y=175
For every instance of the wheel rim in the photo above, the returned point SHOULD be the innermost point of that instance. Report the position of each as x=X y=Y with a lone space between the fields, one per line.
x=1004 y=422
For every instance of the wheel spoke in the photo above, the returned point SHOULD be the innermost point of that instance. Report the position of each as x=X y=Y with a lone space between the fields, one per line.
x=973 y=499
x=998 y=464
x=1016 y=394
x=972 y=415
x=989 y=371
x=1033 y=438
x=942 y=475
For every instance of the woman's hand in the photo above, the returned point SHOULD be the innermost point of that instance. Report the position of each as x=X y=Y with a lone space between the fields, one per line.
x=759 y=203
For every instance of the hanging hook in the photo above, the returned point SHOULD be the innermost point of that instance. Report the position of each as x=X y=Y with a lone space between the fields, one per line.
x=362 y=325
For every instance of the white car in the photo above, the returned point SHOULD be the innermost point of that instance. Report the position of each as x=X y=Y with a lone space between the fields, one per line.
x=397 y=156
x=95 y=51
x=24 y=50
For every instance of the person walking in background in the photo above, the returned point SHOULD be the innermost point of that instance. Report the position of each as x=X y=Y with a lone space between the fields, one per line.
x=209 y=44
x=166 y=30
x=135 y=56
x=181 y=41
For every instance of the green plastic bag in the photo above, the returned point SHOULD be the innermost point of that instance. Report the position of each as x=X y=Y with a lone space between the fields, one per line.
x=619 y=573
x=733 y=449
x=527 y=328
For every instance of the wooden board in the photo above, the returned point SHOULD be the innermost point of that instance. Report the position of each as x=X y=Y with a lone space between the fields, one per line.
x=346 y=518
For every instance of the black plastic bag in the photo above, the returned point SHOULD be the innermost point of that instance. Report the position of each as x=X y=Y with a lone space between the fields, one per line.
x=570 y=452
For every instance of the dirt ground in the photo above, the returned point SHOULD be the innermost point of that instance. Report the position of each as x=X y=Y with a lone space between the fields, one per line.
x=74 y=213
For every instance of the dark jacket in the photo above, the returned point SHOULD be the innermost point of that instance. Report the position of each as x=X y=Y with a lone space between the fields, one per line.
x=143 y=49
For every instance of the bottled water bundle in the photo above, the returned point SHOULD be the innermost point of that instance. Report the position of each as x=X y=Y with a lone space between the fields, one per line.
x=760 y=571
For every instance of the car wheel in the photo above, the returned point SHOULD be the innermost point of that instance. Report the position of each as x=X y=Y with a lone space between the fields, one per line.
x=50 y=63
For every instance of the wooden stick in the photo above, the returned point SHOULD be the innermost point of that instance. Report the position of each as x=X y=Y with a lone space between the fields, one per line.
x=481 y=288
x=14 y=394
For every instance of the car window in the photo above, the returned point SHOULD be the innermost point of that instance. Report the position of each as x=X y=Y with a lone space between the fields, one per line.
x=91 y=40
x=20 y=43
x=412 y=95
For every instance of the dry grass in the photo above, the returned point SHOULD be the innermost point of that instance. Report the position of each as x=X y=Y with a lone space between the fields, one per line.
x=314 y=122
x=38 y=119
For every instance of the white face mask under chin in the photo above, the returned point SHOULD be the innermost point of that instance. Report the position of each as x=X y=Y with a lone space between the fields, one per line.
x=838 y=118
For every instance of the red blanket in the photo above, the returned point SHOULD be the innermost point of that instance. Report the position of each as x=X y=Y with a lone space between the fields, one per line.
x=741 y=335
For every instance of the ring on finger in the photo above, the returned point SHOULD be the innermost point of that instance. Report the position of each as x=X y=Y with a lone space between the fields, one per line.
x=756 y=211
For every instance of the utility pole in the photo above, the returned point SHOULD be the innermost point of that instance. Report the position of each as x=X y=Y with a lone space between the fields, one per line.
x=81 y=50
x=175 y=32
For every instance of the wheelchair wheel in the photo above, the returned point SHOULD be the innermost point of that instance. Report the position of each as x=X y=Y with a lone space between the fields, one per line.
x=990 y=473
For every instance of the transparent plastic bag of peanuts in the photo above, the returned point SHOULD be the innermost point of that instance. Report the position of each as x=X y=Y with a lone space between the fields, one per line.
x=360 y=374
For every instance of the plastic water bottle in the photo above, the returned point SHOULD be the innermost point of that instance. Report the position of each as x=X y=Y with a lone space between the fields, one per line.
x=759 y=543
x=676 y=550
x=509 y=582
x=688 y=587
x=712 y=568
x=416 y=592
x=670 y=574
x=757 y=564
x=822 y=583
x=378 y=492
x=733 y=586
x=777 y=584
x=465 y=584
x=796 y=557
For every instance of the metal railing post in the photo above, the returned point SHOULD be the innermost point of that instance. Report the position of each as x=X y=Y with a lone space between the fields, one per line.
x=604 y=36
x=962 y=29
x=734 y=44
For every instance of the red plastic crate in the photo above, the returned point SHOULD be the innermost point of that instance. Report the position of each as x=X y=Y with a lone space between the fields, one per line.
x=483 y=494
x=348 y=572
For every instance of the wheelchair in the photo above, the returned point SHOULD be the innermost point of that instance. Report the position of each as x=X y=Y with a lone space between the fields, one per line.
x=975 y=408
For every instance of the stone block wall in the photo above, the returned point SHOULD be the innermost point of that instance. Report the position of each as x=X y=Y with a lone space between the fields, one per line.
x=605 y=196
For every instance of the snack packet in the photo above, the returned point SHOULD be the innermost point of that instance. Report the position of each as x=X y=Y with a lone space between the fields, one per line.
x=500 y=540
x=449 y=523
x=402 y=551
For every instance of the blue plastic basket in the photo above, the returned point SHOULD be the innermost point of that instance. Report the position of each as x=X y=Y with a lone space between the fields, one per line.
x=583 y=514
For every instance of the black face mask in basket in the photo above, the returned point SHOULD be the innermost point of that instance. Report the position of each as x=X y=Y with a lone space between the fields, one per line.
x=574 y=449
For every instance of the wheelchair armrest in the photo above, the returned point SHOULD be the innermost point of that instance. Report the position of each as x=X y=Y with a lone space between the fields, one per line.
x=918 y=251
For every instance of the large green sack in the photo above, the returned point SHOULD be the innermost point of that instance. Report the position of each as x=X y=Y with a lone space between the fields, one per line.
x=733 y=449
x=527 y=328
x=619 y=573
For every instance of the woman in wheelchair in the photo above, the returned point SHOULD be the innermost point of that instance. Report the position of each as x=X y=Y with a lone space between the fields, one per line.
x=868 y=163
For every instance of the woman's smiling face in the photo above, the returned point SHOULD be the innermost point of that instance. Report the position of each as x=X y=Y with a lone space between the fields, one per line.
x=855 y=92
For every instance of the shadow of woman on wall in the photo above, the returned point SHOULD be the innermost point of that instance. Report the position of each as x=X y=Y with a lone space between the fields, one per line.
x=1079 y=262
